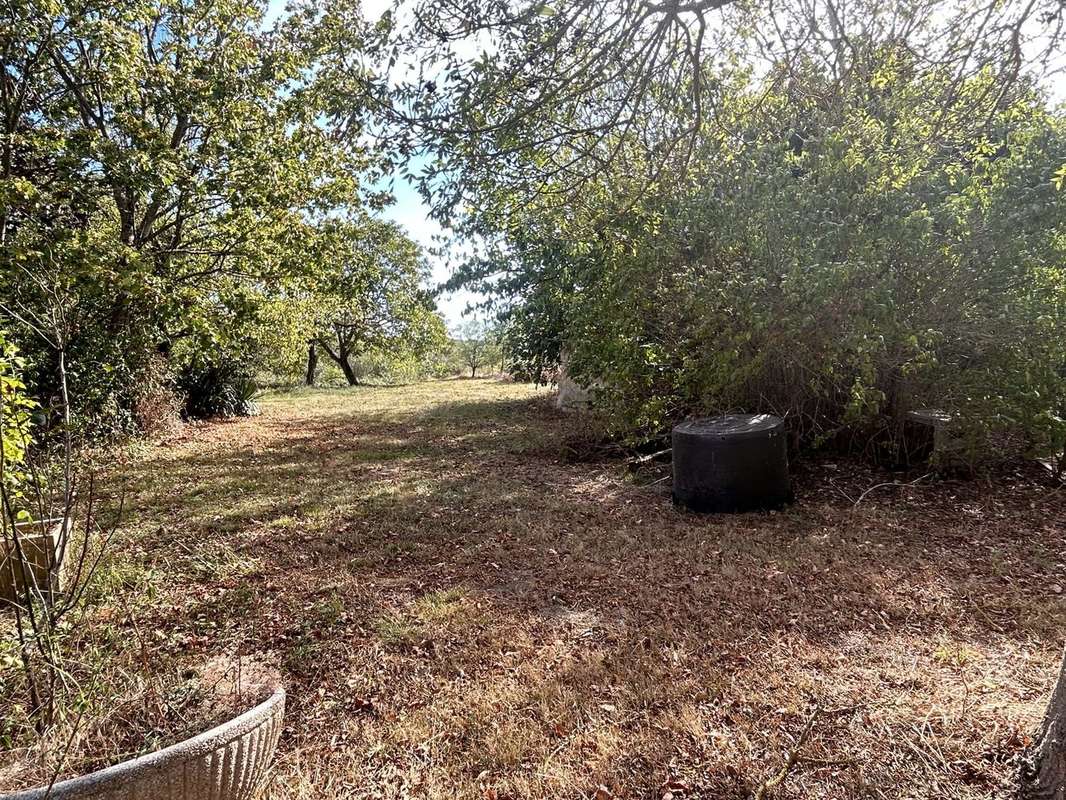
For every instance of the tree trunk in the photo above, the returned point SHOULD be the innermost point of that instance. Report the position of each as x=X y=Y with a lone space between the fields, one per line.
x=346 y=368
x=312 y=364
x=341 y=359
x=1043 y=769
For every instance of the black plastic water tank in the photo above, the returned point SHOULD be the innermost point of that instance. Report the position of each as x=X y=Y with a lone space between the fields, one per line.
x=738 y=462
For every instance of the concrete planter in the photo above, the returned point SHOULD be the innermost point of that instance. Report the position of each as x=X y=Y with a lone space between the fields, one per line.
x=225 y=763
x=929 y=433
x=572 y=395
x=37 y=560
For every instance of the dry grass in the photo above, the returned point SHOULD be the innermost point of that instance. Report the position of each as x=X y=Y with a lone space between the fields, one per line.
x=460 y=612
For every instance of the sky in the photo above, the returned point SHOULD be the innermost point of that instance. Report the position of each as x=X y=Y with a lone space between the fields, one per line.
x=410 y=212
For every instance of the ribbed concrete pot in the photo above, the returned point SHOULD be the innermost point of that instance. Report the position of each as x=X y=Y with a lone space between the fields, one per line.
x=225 y=763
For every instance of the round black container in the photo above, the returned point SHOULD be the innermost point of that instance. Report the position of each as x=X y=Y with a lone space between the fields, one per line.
x=733 y=463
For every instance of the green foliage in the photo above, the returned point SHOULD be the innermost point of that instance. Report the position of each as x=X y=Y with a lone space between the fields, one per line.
x=368 y=304
x=221 y=387
x=15 y=419
x=537 y=272
x=843 y=252
x=165 y=165
x=392 y=368
x=477 y=347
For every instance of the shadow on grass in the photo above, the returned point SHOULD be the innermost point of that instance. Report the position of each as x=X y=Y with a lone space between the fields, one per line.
x=455 y=601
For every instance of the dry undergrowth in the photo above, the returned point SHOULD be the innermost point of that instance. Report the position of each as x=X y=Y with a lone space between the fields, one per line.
x=460 y=612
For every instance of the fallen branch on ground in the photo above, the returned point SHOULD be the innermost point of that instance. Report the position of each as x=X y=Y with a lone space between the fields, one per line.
x=790 y=760
x=891 y=483
x=638 y=460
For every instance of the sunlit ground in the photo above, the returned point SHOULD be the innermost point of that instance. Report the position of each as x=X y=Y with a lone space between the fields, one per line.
x=459 y=611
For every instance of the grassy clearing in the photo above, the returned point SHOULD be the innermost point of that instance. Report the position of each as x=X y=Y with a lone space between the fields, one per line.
x=461 y=612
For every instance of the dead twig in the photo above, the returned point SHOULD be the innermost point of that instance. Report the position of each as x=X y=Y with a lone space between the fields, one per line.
x=984 y=615
x=891 y=483
x=791 y=759
x=636 y=461
x=826 y=762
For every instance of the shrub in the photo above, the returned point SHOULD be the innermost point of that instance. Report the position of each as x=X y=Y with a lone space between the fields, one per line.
x=839 y=264
x=221 y=387
x=157 y=402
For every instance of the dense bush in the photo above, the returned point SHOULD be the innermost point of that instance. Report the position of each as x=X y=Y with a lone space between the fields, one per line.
x=839 y=258
x=157 y=403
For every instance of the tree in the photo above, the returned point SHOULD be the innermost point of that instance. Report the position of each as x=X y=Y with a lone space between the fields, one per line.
x=586 y=85
x=1043 y=768
x=580 y=118
x=312 y=364
x=529 y=276
x=160 y=164
x=477 y=346
x=368 y=296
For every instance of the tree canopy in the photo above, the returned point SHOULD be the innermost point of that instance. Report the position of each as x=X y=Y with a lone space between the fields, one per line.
x=834 y=211
x=372 y=299
x=167 y=166
x=548 y=95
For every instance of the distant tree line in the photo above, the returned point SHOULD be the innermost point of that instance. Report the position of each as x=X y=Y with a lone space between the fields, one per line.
x=475 y=350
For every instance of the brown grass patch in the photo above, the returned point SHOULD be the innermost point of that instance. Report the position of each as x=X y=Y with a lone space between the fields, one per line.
x=462 y=612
